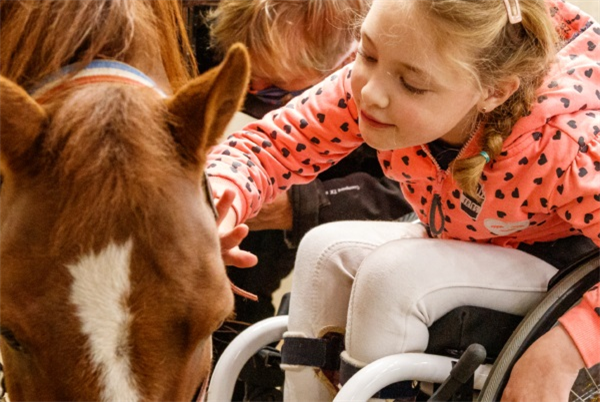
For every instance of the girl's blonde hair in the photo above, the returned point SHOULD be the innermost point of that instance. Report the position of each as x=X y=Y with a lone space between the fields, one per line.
x=492 y=50
x=39 y=37
x=294 y=37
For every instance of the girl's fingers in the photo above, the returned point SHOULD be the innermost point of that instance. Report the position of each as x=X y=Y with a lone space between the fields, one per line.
x=223 y=205
x=234 y=237
x=230 y=240
x=239 y=258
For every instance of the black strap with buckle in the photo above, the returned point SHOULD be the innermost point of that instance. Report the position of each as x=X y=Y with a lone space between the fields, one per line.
x=323 y=353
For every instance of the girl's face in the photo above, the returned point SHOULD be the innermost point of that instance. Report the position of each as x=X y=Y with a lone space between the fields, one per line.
x=406 y=91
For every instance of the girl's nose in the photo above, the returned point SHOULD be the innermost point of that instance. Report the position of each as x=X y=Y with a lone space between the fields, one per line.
x=374 y=93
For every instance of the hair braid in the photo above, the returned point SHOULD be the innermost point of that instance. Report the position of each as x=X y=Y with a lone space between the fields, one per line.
x=498 y=126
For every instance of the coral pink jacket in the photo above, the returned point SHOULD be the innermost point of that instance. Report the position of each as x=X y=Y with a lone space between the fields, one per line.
x=544 y=185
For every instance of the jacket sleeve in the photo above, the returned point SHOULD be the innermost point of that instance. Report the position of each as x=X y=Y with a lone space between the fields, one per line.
x=290 y=145
x=575 y=172
x=582 y=323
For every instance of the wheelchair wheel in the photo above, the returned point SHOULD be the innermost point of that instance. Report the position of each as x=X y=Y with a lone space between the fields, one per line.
x=564 y=295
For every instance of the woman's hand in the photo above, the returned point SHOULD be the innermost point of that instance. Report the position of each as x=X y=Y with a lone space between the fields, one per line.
x=231 y=235
x=546 y=371
x=277 y=214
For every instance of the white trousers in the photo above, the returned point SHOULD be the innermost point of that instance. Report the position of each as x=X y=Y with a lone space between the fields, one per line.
x=384 y=283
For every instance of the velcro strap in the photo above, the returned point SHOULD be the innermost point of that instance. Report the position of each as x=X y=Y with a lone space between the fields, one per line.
x=321 y=353
x=397 y=390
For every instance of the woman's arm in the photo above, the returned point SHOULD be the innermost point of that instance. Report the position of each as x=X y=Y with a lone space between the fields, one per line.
x=546 y=371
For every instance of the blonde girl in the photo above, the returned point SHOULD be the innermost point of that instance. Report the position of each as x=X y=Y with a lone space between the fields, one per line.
x=488 y=114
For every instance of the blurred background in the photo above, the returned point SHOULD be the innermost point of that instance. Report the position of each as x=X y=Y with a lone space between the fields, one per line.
x=591 y=7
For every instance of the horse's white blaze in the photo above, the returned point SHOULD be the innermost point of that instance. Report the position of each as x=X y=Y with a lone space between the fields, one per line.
x=99 y=291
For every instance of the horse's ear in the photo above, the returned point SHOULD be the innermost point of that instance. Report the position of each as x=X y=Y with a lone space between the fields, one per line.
x=203 y=107
x=21 y=121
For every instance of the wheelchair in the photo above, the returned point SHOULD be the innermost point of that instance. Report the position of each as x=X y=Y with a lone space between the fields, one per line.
x=462 y=362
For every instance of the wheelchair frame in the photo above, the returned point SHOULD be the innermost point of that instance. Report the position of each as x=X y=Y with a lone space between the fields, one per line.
x=417 y=366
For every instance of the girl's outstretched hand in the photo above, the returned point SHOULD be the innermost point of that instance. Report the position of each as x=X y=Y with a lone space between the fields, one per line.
x=231 y=235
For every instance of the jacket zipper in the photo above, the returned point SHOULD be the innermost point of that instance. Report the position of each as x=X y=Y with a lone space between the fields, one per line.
x=436 y=202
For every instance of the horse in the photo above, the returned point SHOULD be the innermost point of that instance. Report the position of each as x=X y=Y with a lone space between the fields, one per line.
x=112 y=280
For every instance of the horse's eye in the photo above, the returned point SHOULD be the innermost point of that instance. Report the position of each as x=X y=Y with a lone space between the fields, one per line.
x=10 y=339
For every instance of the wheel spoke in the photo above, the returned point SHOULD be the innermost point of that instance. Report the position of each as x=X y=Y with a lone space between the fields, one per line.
x=586 y=387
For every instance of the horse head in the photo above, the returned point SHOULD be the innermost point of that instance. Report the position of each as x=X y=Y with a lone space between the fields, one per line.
x=112 y=280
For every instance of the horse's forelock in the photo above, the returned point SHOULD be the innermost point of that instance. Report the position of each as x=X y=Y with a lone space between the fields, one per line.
x=110 y=153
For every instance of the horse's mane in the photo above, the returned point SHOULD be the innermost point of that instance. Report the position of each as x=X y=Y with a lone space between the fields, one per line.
x=110 y=152
x=39 y=37
x=99 y=127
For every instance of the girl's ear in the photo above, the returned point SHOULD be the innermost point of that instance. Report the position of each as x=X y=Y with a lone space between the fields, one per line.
x=496 y=96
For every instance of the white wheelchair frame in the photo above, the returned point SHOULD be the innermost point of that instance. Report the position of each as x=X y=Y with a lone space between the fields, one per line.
x=422 y=367
x=368 y=381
